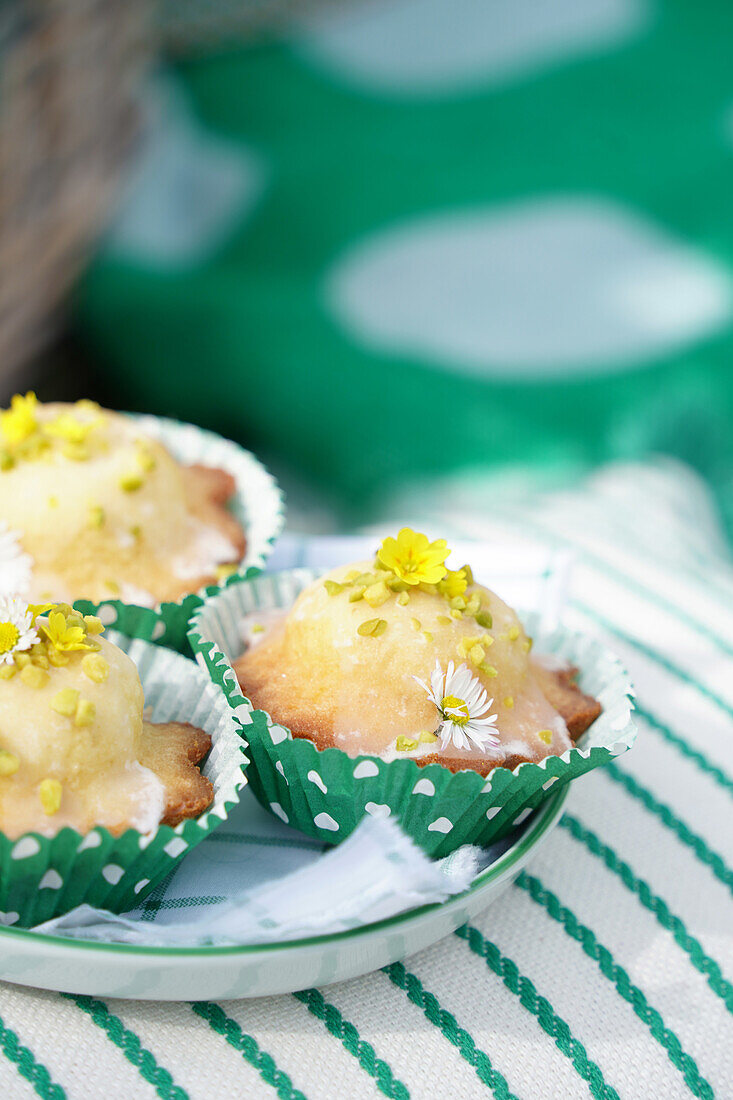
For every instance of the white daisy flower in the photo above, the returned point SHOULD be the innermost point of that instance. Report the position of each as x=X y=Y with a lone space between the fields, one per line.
x=15 y=565
x=463 y=704
x=17 y=631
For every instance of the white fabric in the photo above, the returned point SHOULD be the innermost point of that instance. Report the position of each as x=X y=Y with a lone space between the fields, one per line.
x=634 y=954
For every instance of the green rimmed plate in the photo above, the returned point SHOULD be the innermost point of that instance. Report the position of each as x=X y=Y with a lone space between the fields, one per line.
x=214 y=973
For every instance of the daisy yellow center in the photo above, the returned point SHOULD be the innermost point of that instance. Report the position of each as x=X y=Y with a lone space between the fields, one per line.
x=9 y=635
x=453 y=703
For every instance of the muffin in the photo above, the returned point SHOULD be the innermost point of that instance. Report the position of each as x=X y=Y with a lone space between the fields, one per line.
x=75 y=748
x=103 y=510
x=402 y=687
x=401 y=656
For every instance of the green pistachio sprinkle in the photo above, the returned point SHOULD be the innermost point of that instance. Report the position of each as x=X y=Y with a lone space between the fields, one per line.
x=372 y=628
x=484 y=619
x=416 y=624
x=405 y=744
x=357 y=594
x=427 y=738
x=333 y=587
x=96 y=516
x=456 y=614
x=458 y=603
x=513 y=633
x=473 y=604
x=9 y=763
x=469 y=574
x=403 y=599
x=488 y=670
x=444 y=620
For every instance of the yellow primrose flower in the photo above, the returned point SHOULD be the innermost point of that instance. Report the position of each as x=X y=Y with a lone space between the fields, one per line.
x=63 y=636
x=71 y=429
x=453 y=584
x=413 y=559
x=19 y=421
x=37 y=609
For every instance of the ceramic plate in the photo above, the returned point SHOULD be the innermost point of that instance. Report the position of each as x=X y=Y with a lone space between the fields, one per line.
x=211 y=973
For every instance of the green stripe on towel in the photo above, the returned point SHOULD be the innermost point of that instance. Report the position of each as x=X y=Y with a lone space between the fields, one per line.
x=539 y=1007
x=615 y=974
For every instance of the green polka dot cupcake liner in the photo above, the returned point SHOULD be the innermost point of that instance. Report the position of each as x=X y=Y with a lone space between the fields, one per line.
x=258 y=505
x=42 y=877
x=325 y=793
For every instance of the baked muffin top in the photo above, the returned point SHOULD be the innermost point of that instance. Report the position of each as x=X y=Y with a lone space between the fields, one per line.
x=75 y=748
x=103 y=511
x=404 y=656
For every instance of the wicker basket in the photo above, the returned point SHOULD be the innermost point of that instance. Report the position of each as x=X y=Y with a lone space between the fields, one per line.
x=68 y=72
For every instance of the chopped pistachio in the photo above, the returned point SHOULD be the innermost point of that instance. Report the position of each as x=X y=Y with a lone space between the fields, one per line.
x=130 y=483
x=113 y=586
x=372 y=628
x=7 y=672
x=85 y=713
x=365 y=579
x=145 y=459
x=476 y=654
x=93 y=624
x=487 y=640
x=405 y=744
x=53 y=502
x=473 y=604
x=50 y=792
x=396 y=584
x=376 y=594
x=351 y=576
x=458 y=603
x=65 y=702
x=357 y=594
x=469 y=574
x=527 y=644
x=513 y=633
x=333 y=587
x=9 y=763
x=40 y=660
x=509 y=701
x=403 y=599
x=6 y=461
x=431 y=589
x=427 y=738
x=136 y=531
x=545 y=736
x=427 y=635
x=22 y=659
x=416 y=624
x=77 y=452
x=34 y=677
x=444 y=620
x=484 y=619
x=96 y=516
x=57 y=657
x=95 y=667
x=488 y=670
x=456 y=614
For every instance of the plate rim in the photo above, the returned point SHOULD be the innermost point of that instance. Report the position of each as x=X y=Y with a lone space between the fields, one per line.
x=548 y=816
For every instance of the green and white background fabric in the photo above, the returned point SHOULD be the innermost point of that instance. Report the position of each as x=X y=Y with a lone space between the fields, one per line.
x=605 y=970
x=415 y=236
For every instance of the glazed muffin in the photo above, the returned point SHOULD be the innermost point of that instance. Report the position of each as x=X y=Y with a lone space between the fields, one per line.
x=401 y=657
x=100 y=510
x=75 y=747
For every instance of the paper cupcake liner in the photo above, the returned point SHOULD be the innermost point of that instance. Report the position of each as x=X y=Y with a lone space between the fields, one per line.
x=258 y=505
x=43 y=877
x=325 y=793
